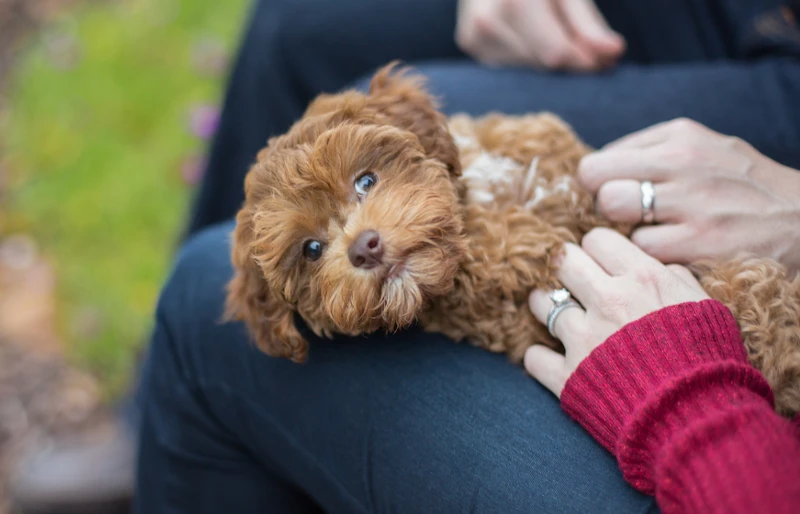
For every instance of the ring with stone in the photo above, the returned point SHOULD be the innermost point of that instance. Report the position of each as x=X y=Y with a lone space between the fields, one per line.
x=562 y=300
x=648 y=202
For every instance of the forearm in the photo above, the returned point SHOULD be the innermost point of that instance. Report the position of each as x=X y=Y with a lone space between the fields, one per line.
x=739 y=460
x=690 y=421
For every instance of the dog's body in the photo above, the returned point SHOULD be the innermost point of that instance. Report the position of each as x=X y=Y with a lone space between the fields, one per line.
x=374 y=211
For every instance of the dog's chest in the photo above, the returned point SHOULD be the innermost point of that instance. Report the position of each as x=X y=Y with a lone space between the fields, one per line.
x=496 y=180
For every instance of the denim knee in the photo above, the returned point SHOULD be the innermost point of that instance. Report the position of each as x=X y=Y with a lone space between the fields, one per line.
x=193 y=298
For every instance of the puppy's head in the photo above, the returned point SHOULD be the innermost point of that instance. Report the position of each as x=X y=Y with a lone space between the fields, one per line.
x=352 y=219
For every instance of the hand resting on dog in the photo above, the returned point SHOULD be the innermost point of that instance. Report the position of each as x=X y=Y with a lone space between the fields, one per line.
x=657 y=373
x=616 y=283
x=716 y=196
x=652 y=368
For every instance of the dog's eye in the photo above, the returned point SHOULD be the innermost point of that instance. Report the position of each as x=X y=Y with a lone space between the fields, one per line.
x=365 y=182
x=312 y=250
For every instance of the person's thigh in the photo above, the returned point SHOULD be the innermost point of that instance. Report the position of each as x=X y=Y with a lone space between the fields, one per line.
x=409 y=422
x=755 y=101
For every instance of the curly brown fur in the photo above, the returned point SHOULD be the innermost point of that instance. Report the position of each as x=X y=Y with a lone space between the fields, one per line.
x=472 y=212
x=766 y=304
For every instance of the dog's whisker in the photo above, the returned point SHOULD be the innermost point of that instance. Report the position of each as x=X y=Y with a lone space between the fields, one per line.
x=528 y=179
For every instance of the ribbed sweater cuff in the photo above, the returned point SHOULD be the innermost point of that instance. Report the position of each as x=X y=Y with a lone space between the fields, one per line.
x=657 y=375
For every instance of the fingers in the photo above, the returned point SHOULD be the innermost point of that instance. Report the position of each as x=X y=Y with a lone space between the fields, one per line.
x=546 y=366
x=614 y=252
x=660 y=133
x=546 y=34
x=667 y=243
x=580 y=274
x=590 y=28
x=503 y=46
x=484 y=33
x=621 y=200
x=633 y=164
x=649 y=136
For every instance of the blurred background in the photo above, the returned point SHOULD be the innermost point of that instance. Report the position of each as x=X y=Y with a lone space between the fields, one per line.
x=106 y=107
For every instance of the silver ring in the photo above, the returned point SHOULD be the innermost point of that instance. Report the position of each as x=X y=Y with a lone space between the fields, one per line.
x=648 y=202
x=562 y=300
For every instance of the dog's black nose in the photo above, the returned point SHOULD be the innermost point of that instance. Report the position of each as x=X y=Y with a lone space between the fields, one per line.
x=366 y=251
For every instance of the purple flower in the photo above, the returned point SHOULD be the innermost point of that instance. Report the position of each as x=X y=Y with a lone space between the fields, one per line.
x=203 y=121
x=192 y=169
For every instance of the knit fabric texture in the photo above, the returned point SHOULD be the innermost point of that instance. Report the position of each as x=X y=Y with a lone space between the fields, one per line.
x=674 y=398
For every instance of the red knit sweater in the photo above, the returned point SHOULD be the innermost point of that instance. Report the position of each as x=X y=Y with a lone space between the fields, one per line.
x=673 y=397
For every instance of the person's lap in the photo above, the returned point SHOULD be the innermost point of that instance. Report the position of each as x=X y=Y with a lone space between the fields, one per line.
x=410 y=422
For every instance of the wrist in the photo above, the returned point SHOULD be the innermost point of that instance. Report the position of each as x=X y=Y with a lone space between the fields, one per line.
x=697 y=405
x=637 y=363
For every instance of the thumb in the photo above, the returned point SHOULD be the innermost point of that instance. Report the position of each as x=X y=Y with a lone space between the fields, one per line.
x=547 y=367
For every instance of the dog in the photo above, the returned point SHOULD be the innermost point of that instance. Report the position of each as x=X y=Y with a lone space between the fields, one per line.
x=375 y=211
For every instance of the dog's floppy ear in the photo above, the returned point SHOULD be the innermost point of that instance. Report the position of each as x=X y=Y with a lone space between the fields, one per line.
x=268 y=317
x=404 y=101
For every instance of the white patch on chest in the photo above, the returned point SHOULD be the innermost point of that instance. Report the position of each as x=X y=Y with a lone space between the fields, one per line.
x=499 y=180
x=491 y=178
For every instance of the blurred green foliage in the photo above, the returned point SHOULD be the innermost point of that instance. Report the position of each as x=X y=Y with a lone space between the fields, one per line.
x=95 y=133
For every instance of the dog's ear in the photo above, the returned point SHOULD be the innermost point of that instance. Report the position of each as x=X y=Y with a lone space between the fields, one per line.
x=269 y=318
x=347 y=104
x=404 y=101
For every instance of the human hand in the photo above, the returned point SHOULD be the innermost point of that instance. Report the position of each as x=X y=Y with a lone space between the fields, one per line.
x=715 y=196
x=616 y=283
x=554 y=34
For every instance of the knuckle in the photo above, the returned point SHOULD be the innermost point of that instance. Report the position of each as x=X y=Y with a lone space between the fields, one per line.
x=647 y=276
x=681 y=154
x=737 y=144
x=684 y=125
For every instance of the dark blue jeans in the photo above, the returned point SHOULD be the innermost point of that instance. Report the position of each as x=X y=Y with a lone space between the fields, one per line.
x=405 y=423
x=412 y=422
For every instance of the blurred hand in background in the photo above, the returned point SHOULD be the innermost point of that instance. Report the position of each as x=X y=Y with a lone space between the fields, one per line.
x=553 y=34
